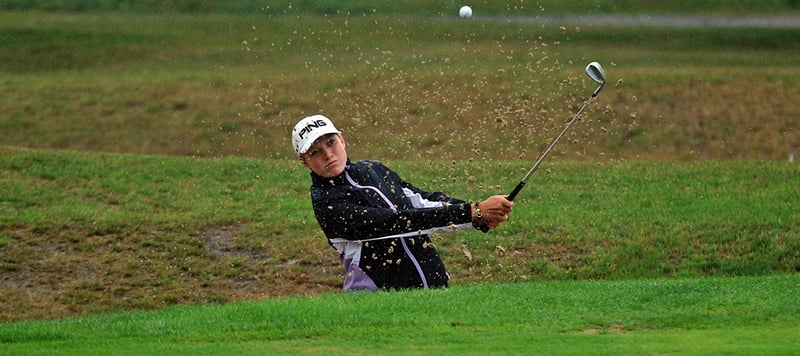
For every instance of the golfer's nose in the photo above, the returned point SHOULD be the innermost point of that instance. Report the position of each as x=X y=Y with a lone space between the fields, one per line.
x=327 y=152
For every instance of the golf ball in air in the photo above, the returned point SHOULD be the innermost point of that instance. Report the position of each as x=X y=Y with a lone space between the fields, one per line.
x=465 y=12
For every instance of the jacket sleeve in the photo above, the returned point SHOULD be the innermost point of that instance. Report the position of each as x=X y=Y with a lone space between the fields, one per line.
x=433 y=196
x=347 y=214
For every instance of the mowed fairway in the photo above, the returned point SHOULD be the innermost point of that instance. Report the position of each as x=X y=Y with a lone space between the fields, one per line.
x=756 y=315
x=150 y=202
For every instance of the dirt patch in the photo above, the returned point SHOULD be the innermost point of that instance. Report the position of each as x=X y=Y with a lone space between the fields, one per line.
x=220 y=240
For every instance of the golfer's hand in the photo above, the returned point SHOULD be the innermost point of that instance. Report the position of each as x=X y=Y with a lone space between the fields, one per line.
x=495 y=210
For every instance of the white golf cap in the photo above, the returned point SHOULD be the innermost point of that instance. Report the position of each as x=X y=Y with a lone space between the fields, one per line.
x=309 y=130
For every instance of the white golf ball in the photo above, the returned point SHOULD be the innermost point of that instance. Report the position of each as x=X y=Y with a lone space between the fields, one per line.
x=465 y=12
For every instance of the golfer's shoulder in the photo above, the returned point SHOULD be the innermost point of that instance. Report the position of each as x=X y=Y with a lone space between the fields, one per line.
x=370 y=164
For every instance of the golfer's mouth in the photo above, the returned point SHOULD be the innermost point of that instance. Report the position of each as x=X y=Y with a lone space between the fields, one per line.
x=331 y=164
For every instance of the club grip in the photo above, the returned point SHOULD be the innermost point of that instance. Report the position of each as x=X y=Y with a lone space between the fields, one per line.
x=515 y=191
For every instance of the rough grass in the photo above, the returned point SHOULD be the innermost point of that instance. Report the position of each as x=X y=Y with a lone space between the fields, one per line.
x=87 y=233
x=198 y=200
x=222 y=85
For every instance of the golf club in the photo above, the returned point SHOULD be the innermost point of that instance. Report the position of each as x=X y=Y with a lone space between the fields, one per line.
x=595 y=71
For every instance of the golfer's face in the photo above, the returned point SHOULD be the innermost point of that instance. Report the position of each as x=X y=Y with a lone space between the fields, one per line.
x=327 y=156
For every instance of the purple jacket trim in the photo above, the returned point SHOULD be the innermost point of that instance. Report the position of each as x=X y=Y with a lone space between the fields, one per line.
x=354 y=278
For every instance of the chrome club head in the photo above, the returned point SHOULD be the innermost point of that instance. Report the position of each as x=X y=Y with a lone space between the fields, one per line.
x=595 y=71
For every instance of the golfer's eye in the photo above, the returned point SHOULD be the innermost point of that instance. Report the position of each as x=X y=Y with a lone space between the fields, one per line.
x=331 y=142
x=313 y=152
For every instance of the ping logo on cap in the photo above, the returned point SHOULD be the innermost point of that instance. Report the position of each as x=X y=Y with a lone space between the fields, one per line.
x=310 y=127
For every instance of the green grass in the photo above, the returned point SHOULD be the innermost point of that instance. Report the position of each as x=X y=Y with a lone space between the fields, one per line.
x=146 y=166
x=88 y=232
x=754 y=315
x=232 y=85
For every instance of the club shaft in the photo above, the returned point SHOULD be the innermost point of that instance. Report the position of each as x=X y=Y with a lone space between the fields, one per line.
x=524 y=180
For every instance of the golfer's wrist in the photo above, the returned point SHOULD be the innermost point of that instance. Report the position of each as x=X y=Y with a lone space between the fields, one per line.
x=477 y=215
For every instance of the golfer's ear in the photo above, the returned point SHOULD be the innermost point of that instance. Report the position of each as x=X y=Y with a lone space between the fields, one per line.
x=341 y=138
x=303 y=162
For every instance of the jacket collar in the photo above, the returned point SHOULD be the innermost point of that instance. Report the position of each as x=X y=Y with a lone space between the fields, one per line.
x=321 y=181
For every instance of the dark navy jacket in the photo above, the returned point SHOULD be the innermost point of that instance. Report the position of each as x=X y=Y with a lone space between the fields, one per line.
x=380 y=226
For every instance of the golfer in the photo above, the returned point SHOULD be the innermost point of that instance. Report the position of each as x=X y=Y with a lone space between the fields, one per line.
x=379 y=223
